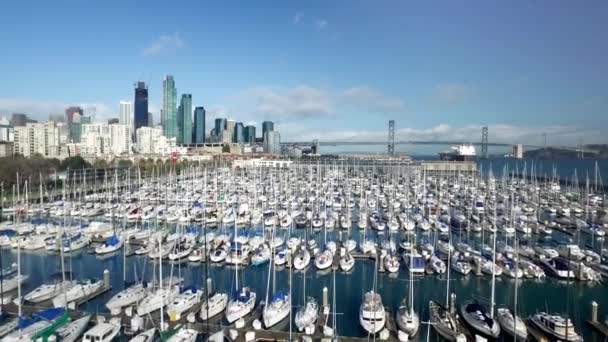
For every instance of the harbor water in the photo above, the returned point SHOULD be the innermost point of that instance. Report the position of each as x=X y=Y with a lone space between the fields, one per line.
x=573 y=298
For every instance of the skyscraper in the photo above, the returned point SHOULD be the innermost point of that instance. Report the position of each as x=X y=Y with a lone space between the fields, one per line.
x=75 y=128
x=272 y=142
x=229 y=137
x=19 y=119
x=168 y=113
x=185 y=120
x=124 y=117
x=267 y=126
x=220 y=125
x=239 y=132
x=141 y=105
x=199 y=125
x=70 y=111
x=250 y=134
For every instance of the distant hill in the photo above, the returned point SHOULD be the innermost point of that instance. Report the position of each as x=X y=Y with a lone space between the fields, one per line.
x=594 y=151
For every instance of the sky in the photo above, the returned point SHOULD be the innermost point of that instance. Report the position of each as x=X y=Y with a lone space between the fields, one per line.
x=328 y=70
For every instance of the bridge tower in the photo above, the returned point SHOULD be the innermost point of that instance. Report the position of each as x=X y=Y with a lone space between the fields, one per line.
x=391 y=137
x=484 y=142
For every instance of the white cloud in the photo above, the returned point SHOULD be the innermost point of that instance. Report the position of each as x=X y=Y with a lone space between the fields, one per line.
x=371 y=100
x=304 y=102
x=451 y=93
x=297 y=18
x=40 y=109
x=320 y=24
x=297 y=102
x=166 y=43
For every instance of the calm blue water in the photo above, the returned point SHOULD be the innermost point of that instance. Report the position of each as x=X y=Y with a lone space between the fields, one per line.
x=564 y=167
x=533 y=296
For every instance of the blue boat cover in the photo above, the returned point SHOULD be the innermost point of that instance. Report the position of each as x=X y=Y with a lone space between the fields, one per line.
x=8 y=232
x=241 y=296
x=279 y=296
x=192 y=229
x=112 y=241
x=418 y=261
x=44 y=315
x=186 y=288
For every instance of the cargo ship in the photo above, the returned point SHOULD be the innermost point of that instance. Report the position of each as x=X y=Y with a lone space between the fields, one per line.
x=461 y=152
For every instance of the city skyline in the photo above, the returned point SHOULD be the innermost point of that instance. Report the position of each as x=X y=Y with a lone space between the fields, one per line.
x=342 y=70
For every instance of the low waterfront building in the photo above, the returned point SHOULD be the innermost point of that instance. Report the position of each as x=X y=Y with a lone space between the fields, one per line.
x=518 y=151
x=261 y=162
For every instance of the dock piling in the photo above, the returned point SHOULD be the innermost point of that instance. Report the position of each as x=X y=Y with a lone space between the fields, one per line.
x=209 y=285
x=106 y=279
x=594 y=306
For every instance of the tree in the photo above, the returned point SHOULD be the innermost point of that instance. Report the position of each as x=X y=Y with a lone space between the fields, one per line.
x=74 y=163
x=125 y=163
x=100 y=164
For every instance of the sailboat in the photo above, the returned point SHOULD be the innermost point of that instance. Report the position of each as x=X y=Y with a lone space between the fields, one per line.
x=184 y=301
x=243 y=299
x=29 y=327
x=508 y=320
x=213 y=305
x=443 y=321
x=47 y=291
x=73 y=330
x=476 y=315
x=407 y=319
x=280 y=306
x=372 y=316
x=157 y=299
x=103 y=332
x=306 y=316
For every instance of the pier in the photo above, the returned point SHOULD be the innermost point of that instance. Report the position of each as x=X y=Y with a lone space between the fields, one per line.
x=600 y=327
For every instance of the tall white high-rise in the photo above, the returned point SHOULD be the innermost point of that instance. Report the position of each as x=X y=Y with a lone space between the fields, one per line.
x=126 y=113
x=102 y=139
x=37 y=138
x=147 y=139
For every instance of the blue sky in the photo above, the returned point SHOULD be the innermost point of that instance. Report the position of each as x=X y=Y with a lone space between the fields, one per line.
x=323 y=69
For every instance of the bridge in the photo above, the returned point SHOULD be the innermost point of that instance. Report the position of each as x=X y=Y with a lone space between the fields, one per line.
x=401 y=142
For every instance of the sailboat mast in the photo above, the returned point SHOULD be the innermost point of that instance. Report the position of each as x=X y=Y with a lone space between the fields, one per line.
x=19 y=259
x=447 y=286
x=516 y=286
x=160 y=277
x=236 y=269
x=411 y=282
x=494 y=267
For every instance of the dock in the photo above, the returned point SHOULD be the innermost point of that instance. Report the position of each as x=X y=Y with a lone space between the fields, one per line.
x=598 y=326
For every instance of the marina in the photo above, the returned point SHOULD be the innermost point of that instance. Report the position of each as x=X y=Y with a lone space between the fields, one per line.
x=338 y=249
